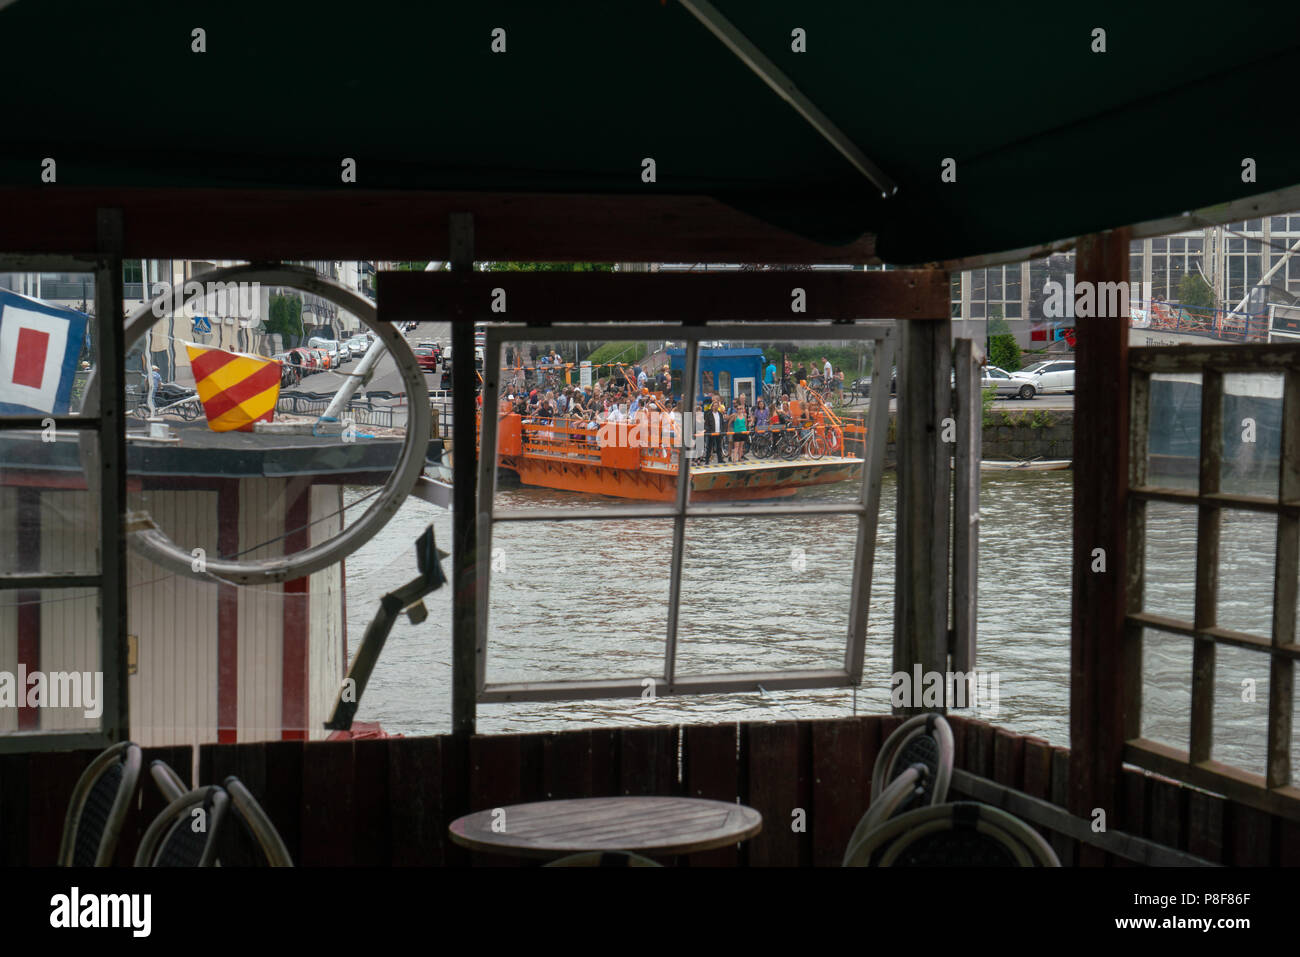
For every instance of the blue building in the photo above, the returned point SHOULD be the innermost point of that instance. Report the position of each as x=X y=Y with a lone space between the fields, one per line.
x=729 y=372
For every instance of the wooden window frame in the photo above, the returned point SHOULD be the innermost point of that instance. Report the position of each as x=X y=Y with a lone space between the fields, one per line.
x=1274 y=791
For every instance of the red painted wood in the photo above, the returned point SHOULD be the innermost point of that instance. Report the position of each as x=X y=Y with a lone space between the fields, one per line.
x=327 y=818
x=778 y=757
x=227 y=617
x=712 y=766
x=28 y=613
x=841 y=786
x=1205 y=817
x=295 y=649
x=1008 y=758
x=268 y=224
x=648 y=761
x=1101 y=422
x=418 y=829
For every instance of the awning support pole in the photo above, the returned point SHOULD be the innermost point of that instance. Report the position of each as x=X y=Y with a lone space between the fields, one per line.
x=924 y=500
x=1099 y=667
x=464 y=628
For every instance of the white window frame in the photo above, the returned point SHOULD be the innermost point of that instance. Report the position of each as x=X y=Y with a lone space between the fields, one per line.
x=865 y=507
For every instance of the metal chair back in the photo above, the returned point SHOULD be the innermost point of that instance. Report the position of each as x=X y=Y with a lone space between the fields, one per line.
x=98 y=807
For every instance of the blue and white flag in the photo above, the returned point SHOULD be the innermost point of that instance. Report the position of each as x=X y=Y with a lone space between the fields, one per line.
x=39 y=346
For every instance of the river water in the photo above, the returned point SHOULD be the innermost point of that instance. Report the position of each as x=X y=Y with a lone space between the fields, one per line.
x=587 y=600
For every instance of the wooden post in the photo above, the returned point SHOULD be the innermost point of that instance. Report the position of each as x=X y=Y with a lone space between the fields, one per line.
x=924 y=498
x=464 y=627
x=111 y=358
x=1099 y=663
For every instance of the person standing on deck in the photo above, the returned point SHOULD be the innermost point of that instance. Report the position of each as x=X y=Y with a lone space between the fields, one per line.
x=714 y=425
x=736 y=426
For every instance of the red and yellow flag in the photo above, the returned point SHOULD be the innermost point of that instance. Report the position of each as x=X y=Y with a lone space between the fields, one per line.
x=236 y=390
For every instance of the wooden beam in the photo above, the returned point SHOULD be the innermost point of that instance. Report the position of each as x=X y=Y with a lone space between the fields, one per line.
x=924 y=498
x=369 y=224
x=1098 y=662
x=465 y=598
x=680 y=298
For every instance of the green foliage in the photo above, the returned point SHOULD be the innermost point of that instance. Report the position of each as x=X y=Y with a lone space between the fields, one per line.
x=1004 y=352
x=1195 y=292
x=627 y=352
x=848 y=358
x=547 y=267
x=285 y=318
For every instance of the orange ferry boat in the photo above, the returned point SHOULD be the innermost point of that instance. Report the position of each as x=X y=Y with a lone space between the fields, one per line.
x=580 y=460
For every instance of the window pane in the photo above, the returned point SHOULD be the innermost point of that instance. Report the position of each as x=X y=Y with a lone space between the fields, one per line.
x=1241 y=708
x=55 y=633
x=1174 y=431
x=50 y=518
x=1166 y=688
x=559 y=606
x=1247 y=549
x=1170 y=561
x=1252 y=433
x=799 y=587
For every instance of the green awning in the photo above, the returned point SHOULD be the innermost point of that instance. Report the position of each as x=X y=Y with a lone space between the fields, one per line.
x=1050 y=139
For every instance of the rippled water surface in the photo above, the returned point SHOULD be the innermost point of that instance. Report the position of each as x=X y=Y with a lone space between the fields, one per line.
x=588 y=600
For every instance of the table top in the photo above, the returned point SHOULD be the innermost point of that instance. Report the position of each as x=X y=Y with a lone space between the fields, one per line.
x=650 y=825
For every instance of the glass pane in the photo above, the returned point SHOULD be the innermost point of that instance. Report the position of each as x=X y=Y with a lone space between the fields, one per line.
x=588 y=424
x=50 y=516
x=1247 y=549
x=1170 y=561
x=1174 y=431
x=1241 y=708
x=1252 y=433
x=805 y=442
x=576 y=599
x=50 y=640
x=797 y=577
x=1166 y=688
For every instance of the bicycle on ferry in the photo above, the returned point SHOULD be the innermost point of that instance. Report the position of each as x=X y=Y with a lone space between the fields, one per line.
x=803 y=440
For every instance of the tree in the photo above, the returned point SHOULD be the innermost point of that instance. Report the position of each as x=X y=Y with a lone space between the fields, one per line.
x=285 y=318
x=1195 y=292
x=1004 y=351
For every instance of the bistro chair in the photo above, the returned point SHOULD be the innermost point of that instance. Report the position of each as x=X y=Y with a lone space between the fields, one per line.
x=962 y=834
x=257 y=825
x=604 y=859
x=903 y=794
x=98 y=807
x=168 y=781
x=172 y=840
x=926 y=740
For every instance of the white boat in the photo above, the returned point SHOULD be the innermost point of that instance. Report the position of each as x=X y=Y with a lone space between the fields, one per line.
x=1028 y=465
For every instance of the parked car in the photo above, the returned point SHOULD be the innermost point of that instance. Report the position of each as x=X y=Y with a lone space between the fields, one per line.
x=336 y=351
x=1057 y=375
x=1020 y=384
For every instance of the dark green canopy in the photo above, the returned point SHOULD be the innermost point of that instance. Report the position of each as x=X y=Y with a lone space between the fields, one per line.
x=1050 y=139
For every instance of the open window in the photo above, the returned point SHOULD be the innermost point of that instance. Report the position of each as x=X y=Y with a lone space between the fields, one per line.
x=641 y=526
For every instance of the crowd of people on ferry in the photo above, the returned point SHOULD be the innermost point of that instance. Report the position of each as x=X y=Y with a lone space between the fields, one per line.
x=724 y=428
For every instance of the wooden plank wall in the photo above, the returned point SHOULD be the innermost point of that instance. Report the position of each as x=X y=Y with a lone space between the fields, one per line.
x=388 y=802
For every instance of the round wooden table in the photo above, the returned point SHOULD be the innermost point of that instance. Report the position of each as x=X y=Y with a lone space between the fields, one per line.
x=648 y=825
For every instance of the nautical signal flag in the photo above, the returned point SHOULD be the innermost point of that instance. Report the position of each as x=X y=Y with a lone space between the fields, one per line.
x=236 y=390
x=39 y=347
